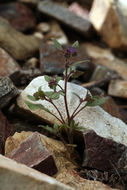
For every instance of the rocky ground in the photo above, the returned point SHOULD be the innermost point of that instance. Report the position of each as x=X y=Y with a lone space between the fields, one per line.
x=31 y=157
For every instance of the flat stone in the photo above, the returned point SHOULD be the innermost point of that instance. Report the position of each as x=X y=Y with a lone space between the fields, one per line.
x=101 y=153
x=33 y=153
x=71 y=177
x=110 y=15
x=18 y=176
x=52 y=62
x=8 y=66
x=54 y=147
x=118 y=88
x=18 y=45
x=65 y=16
x=103 y=56
x=18 y=15
x=93 y=118
x=6 y=129
x=7 y=91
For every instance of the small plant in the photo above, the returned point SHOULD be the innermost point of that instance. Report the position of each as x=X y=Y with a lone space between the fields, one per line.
x=68 y=125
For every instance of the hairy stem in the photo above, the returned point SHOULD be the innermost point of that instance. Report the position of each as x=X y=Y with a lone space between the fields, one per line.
x=60 y=87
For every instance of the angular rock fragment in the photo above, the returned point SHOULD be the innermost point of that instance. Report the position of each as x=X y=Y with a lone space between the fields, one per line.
x=71 y=177
x=54 y=147
x=33 y=153
x=8 y=65
x=101 y=56
x=110 y=15
x=18 y=15
x=18 y=45
x=18 y=176
x=6 y=129
x=65 y=16
x=7 y=91
x=118 y=88
x=101 y=153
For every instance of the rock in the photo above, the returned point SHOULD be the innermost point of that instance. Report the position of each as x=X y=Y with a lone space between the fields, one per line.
x=71 y=177
x=99 y=83
x=101 y=56
x=18 y=176
x=8 y=66
x=18 y=15
x=65 y=16
x=57 y=33
x=7 y=91
x=91 y=118
x=33 y=153
x=102 y=72
x=79 y=11
x=43 y=27
x=31 y=63
x=18 y=45
x=110 y=15
x=52 y=62
x=31 y=2
x=6 y=129
x=118 y=88
x=55 y=148
x=102 y=153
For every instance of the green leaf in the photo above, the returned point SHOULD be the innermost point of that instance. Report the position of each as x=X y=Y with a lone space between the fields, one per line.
x=41 y=93
x=76 y=74
x=57 y=44
x=50 y=129
x=76 y=45
x=78 y=62
x=58 y=79
x=96 y=101
x=32 y=98
x=35 y=106
x=52 y=95
x=61 y=92
x=47 y=78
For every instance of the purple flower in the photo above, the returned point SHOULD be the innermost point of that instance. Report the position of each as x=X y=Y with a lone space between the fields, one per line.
x=71 y=50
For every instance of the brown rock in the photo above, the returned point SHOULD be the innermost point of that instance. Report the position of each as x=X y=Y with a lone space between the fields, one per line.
x=18 y=15
x=65 y=16
x=118 y=88
x=20 y=46
x=109 y=19
x=8 y=65
x=33 y=153
x=101 y=56
x=101 y=153
x=71 y=178
x=56 y=149
x=6 y=130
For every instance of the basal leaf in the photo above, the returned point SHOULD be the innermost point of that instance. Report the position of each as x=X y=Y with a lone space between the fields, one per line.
x=48 y=128
x=76 y=45
x=96 y=101
x=57 y=44
x=32 y=98
x=52 y=95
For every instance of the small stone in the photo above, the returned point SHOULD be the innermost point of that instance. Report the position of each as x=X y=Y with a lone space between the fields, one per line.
x=102 y=72
x=6 y=129
x=103 y=56
x=43 y=27
x=31 y=63
x=110 y=15
x=18 y=45
x=18 y=176
x=7 y=91
x=8 y=66
x=118 y=88
x=33 y=153
x=18 y=15
x=65 y=16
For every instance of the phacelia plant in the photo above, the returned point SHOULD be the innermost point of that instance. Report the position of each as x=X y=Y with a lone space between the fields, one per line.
x=69 y=125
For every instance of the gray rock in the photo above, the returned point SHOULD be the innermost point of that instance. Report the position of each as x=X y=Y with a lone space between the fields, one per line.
x=7 y=91
x=65 y=16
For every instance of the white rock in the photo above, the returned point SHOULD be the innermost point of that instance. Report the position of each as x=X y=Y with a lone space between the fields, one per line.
x=90 y=118
x=18 y=176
